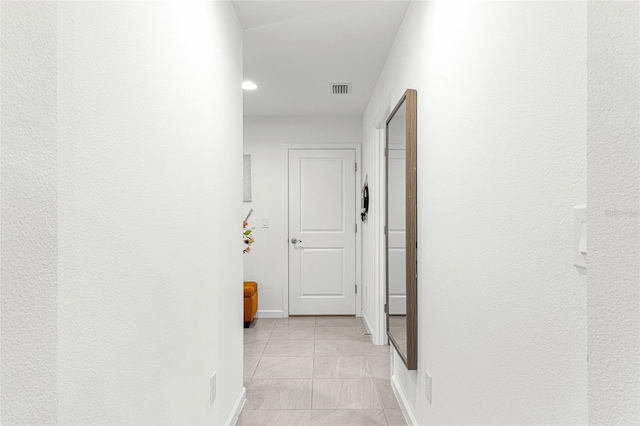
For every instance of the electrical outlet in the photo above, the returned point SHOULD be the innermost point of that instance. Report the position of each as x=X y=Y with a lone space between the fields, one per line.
x=427 y=385
x=212 y=386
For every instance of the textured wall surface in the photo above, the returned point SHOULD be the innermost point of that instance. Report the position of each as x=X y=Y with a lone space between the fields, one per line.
x=614 y=213
x=150 y=193
x=29 y=213
x=263 y=140
x=502 y=109
x=121 y=185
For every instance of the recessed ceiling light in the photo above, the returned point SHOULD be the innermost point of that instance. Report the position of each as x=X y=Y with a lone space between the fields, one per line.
x=249 y=85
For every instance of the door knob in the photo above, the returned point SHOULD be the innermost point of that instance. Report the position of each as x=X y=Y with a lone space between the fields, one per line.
x=295 y=240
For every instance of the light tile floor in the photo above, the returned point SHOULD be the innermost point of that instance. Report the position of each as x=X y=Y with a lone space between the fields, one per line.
x=316 y=371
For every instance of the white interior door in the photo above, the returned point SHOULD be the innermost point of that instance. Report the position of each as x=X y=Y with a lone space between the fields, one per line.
x=322 y=235
x=397 y=231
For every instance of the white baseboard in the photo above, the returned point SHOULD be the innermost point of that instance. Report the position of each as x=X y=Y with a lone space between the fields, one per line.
x=404 y=404
x=270 y=314
x=237 y=408
x=374 y=338
x=368 y=327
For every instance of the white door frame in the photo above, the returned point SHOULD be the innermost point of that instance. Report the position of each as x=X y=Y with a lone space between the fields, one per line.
x=285 y=217
x=379 y=320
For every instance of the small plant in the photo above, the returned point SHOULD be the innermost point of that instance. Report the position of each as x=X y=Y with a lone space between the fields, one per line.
x=247 y=238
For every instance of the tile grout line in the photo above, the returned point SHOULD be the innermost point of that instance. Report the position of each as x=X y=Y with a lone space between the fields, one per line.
x=367 y=374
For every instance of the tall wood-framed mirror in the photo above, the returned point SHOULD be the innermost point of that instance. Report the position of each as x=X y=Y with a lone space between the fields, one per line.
x=402 y=229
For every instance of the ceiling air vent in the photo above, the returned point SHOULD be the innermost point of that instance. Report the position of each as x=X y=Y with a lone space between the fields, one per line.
x=341 y=88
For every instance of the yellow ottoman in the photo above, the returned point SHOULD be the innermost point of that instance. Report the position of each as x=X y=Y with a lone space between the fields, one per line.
x=250 y=303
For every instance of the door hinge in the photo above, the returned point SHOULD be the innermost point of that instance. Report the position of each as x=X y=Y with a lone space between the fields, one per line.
x=385 y=230
x=356 y=228
x=356 y=288
x=385 y=152
x=356 y=169
x=386 y=311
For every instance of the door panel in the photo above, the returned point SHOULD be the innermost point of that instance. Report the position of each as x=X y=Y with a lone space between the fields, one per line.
x=321 y=195
x=397 y=231
x=322 y=208
x=317 y=280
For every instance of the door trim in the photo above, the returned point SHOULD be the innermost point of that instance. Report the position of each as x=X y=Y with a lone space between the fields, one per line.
x=285 y=218
x=379 y=318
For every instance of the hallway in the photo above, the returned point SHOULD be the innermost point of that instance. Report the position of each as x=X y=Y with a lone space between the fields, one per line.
x=124 y=128
x=316 y=371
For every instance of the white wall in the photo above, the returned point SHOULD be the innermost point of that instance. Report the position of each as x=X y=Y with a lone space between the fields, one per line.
x=614 y=212
x=139 y=187
x=264 y=138
x=29 y=213
x=502 y=112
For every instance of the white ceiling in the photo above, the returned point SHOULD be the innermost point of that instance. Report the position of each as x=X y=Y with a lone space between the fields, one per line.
x=295 y=50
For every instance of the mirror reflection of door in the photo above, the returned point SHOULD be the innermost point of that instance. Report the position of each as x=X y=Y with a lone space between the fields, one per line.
x=396 y=199
x=397 y=231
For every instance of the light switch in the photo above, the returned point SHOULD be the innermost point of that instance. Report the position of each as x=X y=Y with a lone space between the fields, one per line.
x=583 y=238
x=265 y=222
x=580 y=237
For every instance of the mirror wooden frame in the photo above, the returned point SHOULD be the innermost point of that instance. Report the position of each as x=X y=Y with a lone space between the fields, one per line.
x=410 y=358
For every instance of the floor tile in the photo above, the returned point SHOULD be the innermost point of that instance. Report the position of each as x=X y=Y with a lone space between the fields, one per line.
x=348 y=417
x=386 y=395
x=344 y=394
x=339 y=367
x=296 y=321
x=274 y=417
x=296 y=363
x=254 y=348
x=337 y=333
x=257 y=334
x=284 y=368
x=283 y=394
x=395 y=418
x=338 y=321
x=289 y=348
x=264 y=323
x=365 y=338
x=333 y=348
x=371 y=350
x=293 y=333
x=379 y=367
x=249 y=366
